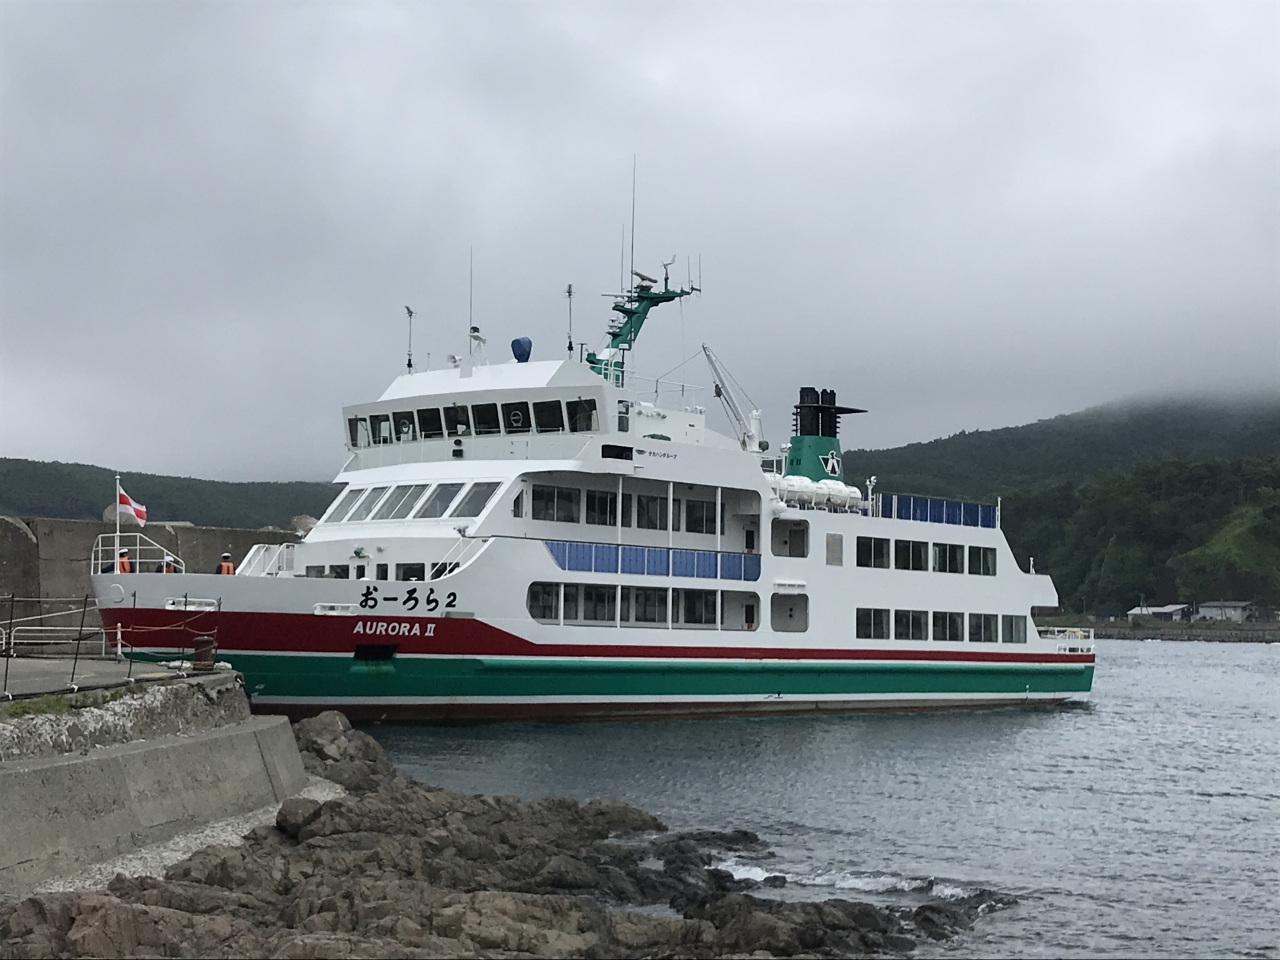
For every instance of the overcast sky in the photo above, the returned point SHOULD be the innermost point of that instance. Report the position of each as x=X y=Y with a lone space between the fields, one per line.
x=959 y=215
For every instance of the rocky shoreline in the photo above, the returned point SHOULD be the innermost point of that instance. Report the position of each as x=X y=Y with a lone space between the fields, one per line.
x=401 y=869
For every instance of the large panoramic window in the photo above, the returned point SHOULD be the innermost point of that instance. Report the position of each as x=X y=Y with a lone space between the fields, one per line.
x=982 y=628
x=698 y=606
x=436 y=504
x=1014 y=629
x=367 y=504
x=872 y=624
x=948 y=558
x=873 y=552
x=344 y=505
x=651 y=512
x=476 y=498
x=700 y=516
x=650 y=605
x=544 y=601
x=911 y=625
x=911 y=554
x=602 y=508
x=556 y=503
x=599 y=603
x=982 y=561
x=402 y=500
x=948 y=626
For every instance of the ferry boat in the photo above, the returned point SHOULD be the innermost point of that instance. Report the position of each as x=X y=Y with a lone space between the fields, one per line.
x=534 y=539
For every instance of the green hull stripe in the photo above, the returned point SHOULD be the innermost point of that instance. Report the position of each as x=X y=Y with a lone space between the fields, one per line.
x=267 y=675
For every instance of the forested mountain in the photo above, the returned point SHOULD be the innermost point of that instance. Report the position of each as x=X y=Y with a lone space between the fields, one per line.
x=77 y=491
x=1073 y=447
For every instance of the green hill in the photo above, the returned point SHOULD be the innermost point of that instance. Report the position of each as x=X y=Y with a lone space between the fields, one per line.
x=986 y=463
x=77 y=491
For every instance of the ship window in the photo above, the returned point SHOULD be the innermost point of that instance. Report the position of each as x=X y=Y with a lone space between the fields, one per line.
x=340 y=571
x=651 y=512
x=570 y=601
x=544 y=601
x=872 y=624
x=436 y=504
x=344 y=505
x=650 y=605
x=367 y=504
x=873 y=552
x=789 y=612
x=457 y=423
x=948 y=557
x=515 y=417
x=380 y=427
x=548 y=416
x=315 y=571
x=835 y=549
x=476 y=498
x=517 y=504
x=485 y=417
x=406 y=430
x=948 y=626
x=697 y=607
x=556 y=503
x=582 y=415
x=358 y=431
x=982 y=561
x=602 y=508
x=911 y=625
x=599 y=603
x=430 y=426
x=1014 y=629
x=395 y=504
x=982 y=628
x=626 y=509
x=624 y=416
x=439 y=570
x=911 y=554
x=380 y=571
x=700 y=516
x=411 y=571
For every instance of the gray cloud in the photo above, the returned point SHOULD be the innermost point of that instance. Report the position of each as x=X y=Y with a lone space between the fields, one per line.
x=958 y=215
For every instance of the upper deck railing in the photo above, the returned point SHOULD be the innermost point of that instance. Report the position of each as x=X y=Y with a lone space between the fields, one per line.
x=145 y=555
x=962 y=513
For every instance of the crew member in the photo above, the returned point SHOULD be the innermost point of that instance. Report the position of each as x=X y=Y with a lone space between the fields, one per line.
x=226 y=566
x=123 y=563
x=167 y=565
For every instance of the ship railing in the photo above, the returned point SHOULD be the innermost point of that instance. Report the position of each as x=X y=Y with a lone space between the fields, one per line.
x=268 y=560
x=654 y=561
x=145 y=555
x=461 y=554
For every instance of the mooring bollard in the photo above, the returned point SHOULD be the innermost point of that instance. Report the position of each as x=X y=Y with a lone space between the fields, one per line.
x=202 y=656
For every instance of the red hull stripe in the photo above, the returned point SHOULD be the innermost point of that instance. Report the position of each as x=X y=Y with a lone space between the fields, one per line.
x=469 y=637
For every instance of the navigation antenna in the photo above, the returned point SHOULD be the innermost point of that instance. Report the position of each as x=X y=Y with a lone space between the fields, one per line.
x=568 y=294
x=409 y=364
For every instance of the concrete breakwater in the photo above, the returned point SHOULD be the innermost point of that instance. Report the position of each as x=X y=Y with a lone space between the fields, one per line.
x=401 y=869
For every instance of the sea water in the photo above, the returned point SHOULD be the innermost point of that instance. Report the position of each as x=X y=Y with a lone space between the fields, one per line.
x=1144 y=822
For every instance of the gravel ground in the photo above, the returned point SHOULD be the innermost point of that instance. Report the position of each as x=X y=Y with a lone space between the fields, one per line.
x=153 y=860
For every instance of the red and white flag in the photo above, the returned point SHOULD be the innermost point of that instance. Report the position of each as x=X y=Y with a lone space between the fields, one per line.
x=127 y=505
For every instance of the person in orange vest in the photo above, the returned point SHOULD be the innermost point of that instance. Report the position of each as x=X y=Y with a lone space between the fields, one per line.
x=124 y=564
x=167 y=566
x=226 y=566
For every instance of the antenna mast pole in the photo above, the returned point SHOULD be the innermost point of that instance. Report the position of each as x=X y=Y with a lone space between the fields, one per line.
x=568 y=293
x=633 y=213
x=409 y=364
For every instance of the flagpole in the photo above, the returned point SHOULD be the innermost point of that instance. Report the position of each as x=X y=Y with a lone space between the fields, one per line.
x=116 y=560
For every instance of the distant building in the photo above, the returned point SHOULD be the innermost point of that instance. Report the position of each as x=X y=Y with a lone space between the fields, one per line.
x=1237 y=611
x=1170 y=611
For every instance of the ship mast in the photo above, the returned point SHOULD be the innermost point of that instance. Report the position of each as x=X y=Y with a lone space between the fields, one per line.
x=633 y=306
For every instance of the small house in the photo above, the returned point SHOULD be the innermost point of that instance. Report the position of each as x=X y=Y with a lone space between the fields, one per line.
x=1237 y=611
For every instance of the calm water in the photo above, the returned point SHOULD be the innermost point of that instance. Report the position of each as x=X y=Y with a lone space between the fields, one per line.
x=1145 y=822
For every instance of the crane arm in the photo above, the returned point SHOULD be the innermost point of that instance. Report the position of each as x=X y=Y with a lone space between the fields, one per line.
x=748 y=424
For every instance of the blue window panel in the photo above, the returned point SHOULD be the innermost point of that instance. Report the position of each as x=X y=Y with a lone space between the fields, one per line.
x=937 y=511
x=657 y=561
x=580 y=556
x=986 y=515
x=904 y=507
x=886 y=504
x=706 y=564
x=970 y=514
x=606 y=558
x=559 y=552
x=920 y=508
x=953 y=511
x=730 y=566
x=683 y=563
x=633 y=559
x=751 y=566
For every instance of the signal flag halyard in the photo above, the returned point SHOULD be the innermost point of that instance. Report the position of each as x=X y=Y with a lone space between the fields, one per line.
x=127 y=504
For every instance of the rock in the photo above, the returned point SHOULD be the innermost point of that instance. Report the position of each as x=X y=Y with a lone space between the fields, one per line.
x=564 y=872
x=775 y=880
x=295 y=813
